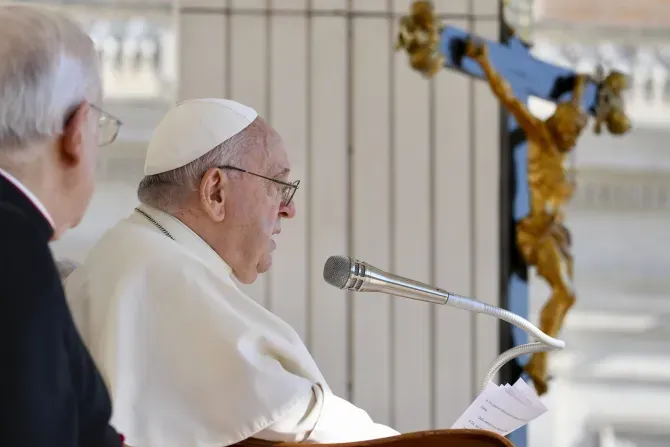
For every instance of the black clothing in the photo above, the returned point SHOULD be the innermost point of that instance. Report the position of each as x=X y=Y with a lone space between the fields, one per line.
x=51 y=393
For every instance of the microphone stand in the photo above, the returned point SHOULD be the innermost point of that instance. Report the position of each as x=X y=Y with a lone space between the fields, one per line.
x=544 y=342
x=350 y=274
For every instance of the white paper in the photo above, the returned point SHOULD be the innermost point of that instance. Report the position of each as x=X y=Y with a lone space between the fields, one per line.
x=502 y=408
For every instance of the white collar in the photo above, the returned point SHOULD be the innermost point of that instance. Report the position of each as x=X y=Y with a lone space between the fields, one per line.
x=32 y=197
x=184 y=236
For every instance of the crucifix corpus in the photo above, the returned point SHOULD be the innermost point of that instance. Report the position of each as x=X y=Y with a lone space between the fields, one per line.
x=542 y=181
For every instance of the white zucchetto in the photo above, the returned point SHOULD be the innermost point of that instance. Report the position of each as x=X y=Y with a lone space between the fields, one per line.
x=191 y=129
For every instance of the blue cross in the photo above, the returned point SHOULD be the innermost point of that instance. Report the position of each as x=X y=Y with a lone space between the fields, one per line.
x=527 y=76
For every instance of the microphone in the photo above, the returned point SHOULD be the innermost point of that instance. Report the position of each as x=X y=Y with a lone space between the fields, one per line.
x=357 y=276
x=350 y=274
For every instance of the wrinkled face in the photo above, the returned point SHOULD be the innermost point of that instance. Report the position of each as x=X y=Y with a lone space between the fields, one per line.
x=254 y=207
x=260 y=209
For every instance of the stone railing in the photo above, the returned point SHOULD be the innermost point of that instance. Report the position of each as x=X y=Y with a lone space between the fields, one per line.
x=136 y=42
x=646 y=64
x=621 y=190
x=137 y=55
x=641 y=53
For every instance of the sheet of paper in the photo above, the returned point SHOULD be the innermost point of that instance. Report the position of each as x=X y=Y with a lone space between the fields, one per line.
x=502 y=409
x=531 y=396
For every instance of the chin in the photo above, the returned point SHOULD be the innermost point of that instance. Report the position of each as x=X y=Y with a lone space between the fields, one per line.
x=264 y=265
x=262 y=268
x=248 y=279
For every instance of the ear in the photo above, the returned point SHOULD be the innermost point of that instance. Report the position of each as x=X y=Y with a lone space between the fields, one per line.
x=212 y=193
x=72 y=141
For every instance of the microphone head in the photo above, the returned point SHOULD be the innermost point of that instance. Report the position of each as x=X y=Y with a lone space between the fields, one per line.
x=337 y=270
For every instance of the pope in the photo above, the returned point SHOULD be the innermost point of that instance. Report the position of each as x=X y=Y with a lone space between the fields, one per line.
x=190 y=360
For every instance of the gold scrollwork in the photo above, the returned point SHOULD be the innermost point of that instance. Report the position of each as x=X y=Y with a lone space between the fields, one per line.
x=419 y=35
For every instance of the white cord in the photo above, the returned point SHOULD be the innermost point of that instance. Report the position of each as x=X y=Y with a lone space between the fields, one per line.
x=544 y=342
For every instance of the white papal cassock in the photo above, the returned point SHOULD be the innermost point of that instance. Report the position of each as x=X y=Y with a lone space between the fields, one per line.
x=189 y=359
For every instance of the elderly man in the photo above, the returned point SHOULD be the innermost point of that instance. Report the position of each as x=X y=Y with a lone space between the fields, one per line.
x=51 y=393
x=191 y=360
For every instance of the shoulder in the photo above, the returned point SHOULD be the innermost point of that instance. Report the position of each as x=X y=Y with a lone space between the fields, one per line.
x=129 y=249
x=18 y=232
x=129 y=241
x=29 y=282
x=16 y=220
x=129 y=258
x=25 y=253
x=186 y=273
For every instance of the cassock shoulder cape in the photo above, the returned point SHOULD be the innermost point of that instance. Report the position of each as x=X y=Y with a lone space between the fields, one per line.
x=189 y=359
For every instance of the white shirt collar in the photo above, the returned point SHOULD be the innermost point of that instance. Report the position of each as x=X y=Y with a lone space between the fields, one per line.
x=32 y=197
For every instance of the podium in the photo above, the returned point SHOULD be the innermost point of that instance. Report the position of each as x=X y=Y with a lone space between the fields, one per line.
x=431 y=438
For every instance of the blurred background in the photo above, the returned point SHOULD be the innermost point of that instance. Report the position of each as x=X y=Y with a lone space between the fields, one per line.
x=403 y=172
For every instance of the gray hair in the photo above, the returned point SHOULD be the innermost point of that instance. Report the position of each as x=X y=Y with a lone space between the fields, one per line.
x=49 y=66
x=167 y=191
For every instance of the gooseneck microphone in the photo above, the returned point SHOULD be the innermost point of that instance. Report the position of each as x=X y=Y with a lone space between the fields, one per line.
x=357 y=276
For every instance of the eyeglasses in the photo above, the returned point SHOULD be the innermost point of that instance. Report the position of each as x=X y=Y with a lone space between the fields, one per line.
x=288 y=189
x=109 y=126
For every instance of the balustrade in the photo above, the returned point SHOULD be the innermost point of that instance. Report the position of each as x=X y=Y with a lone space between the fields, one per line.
x=136 y=42
x=646 y=64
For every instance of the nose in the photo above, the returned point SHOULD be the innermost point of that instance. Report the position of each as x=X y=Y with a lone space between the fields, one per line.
x=287 y=212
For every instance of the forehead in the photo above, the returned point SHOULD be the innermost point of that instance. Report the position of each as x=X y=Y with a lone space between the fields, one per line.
x=277 y=158
x=272 y=154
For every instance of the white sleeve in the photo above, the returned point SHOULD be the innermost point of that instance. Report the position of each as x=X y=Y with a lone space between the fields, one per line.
x=322 y=417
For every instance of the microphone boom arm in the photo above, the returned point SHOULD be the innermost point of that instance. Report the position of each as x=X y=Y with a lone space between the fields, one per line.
x=350 y=274
x=544 y=342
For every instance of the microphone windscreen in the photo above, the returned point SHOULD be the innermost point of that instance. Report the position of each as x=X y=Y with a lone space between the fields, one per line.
x=336 y=271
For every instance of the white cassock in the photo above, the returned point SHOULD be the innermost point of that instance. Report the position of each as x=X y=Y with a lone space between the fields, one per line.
x=189 y=359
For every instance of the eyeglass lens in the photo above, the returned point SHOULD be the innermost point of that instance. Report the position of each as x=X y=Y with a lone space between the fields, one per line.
x=108 y=130
x=289 y=192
